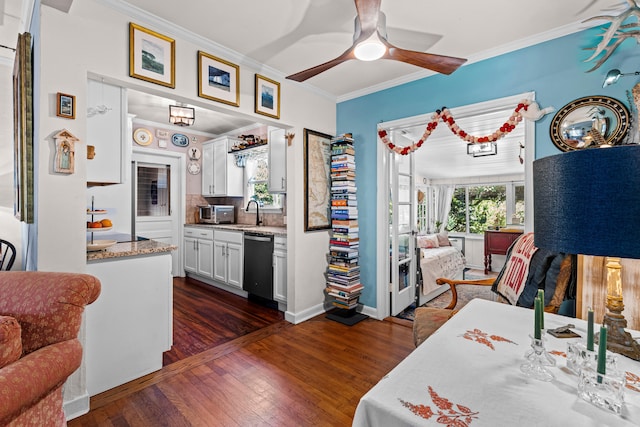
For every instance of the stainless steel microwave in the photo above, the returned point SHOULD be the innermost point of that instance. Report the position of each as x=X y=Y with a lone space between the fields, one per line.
x=217 y=214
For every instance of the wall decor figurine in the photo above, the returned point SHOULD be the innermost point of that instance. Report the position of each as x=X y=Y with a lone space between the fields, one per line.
x=64 y=159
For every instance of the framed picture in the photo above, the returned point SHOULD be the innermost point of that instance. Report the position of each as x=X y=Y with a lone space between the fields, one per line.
x=218 y=80
x=267 y=97
x=317 y=180
x=66 y=106
x=151 y=56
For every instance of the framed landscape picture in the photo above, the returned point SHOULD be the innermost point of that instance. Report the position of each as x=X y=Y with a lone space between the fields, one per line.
x=317 y=180
x=218 y=80
x=66 y=106
x=267 y=97
x=151 y=56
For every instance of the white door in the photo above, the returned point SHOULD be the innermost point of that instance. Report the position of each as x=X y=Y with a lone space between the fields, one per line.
x=402 y=232
x=234 y=264
x=158 y=199
x=220 y=261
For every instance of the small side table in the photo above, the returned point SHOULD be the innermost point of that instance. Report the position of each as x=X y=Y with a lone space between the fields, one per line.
x=497 y=243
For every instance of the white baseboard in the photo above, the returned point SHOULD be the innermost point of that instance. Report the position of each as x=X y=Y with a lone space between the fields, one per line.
x=307 y=314
x=76 y=407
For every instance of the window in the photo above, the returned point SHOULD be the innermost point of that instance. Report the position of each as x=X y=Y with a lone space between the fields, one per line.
x=474 y=208
x=257 y=178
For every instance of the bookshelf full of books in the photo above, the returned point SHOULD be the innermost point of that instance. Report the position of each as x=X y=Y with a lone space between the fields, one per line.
x=343 y=273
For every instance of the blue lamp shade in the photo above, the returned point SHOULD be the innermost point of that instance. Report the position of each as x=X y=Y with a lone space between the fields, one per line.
x=588 y=202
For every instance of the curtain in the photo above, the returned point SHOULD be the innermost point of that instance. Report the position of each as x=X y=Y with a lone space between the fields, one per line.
x=443 y=194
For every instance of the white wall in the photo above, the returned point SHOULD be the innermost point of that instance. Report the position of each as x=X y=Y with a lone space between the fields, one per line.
x=93 y=39
x=10 y=228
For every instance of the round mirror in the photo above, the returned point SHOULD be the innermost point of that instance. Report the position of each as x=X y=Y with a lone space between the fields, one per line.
x=588 y=122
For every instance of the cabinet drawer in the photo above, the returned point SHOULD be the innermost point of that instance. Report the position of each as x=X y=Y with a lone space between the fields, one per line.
x=199 y=233
x=280 y=243
x=228 y=236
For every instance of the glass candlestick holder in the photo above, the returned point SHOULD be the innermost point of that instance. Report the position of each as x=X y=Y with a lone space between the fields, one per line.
x=605 y=391
x=547 y=360
x=536 y=362
x=578 y=357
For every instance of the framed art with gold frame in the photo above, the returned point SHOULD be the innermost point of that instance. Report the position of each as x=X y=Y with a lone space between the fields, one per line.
x=151 y=56
x=65 y=106
x=218 y=80
x=267 y=97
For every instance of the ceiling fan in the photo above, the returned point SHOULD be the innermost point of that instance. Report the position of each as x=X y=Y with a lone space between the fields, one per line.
x=370 y=43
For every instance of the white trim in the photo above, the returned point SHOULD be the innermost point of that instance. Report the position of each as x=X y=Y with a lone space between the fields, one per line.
x=175 y=128
x=382 y=202
x=303 y=315
x=76 y=407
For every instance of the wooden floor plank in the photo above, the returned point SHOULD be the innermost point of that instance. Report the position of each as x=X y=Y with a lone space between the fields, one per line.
x=310 y=374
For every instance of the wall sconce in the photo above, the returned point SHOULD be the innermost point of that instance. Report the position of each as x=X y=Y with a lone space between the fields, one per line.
x=613 y=76
x=181 y=116
x=482 y=149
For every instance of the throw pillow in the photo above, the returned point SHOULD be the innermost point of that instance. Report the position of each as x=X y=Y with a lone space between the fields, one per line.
x=10 y=340
x=428 y=241
x=443 y=239
x=511 y=281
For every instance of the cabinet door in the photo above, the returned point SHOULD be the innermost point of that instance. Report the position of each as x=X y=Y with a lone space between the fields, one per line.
x=280 y=276
x=207 y=170
x=277 y=161
x=220 y=168
x=191 y=254
x=205 y=258
x=106 y=125
x=234 y=265
x=220 y=261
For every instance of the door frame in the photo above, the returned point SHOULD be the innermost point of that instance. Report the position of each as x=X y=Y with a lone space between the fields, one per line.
x=382 y=196
x=160 y=156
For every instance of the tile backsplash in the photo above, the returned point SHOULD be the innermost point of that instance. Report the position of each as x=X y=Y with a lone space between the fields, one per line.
x=242 y=217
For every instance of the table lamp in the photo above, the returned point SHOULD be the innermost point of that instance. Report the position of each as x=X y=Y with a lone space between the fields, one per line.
x=588 y=202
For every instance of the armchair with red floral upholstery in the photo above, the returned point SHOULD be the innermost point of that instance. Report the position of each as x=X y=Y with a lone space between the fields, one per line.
x=40 y=316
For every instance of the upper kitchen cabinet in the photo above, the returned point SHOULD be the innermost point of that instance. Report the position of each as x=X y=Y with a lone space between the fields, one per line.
x=220 y=175
x=277 y=161
x=106 y=131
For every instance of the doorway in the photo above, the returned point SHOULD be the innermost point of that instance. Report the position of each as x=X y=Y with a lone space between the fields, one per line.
x=158 y=199
x=400 y=133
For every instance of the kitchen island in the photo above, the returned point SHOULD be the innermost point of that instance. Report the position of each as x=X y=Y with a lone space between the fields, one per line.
x=131 y=324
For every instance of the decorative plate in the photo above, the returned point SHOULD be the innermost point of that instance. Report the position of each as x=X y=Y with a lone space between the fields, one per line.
x=180 y=140
x=142 y=136
x=194 y=168
x=194 y=153
x=99 y=245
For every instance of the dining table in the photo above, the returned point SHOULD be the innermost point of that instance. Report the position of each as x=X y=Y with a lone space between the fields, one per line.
x=467 y=374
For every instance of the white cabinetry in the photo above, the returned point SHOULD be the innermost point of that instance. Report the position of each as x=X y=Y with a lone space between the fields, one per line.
x=277 y=161
x=220 y=175
x=198 y=251
x=280 y=269
x=106 y=131
x=228 y=257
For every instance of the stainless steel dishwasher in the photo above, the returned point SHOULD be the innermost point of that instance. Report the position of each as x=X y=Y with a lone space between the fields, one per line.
x=258 y=265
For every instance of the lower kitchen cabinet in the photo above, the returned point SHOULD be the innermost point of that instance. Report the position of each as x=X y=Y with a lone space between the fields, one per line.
x=280 y=269
x=198 y=251
x=228 y=257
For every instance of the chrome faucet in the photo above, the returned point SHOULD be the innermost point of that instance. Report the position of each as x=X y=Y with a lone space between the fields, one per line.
x=258 y=221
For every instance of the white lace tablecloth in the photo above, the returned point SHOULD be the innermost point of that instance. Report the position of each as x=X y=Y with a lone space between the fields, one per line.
x=467 y=374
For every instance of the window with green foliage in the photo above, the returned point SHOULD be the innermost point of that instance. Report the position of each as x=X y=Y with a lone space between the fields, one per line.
x=474 y=208
x=257 y=176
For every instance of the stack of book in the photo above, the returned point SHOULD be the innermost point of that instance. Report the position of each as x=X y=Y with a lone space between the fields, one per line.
x=343 y=273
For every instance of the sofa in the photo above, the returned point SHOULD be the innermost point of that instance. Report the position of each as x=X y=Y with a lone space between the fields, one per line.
x=40 y=317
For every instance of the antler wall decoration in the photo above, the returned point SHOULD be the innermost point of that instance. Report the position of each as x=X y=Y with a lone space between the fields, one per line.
x=616 y=33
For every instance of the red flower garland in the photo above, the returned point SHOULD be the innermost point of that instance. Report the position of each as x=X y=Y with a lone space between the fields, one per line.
x=447 y=118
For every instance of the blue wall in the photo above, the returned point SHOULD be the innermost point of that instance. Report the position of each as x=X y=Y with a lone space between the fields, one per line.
x=555 y=70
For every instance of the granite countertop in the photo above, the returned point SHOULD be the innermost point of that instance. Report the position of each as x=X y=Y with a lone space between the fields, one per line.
x=263 y=229
x=131 y=249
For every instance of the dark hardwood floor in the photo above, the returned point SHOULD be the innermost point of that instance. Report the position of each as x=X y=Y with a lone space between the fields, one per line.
x=205 y=316
x=259 y=370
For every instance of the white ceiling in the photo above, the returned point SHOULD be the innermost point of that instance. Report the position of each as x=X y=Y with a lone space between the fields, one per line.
x=287 y=36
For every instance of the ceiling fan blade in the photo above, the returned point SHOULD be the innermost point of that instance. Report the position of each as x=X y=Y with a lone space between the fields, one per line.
x=313 y=71
x=368 y=12
x=438 y=63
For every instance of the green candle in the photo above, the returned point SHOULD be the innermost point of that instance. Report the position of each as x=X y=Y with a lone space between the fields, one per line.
x=536 y=323
x=602 y=353
x=590 y=329
x=541 y=296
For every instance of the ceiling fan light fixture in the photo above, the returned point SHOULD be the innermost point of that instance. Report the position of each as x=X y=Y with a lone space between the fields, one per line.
x=370 y=49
